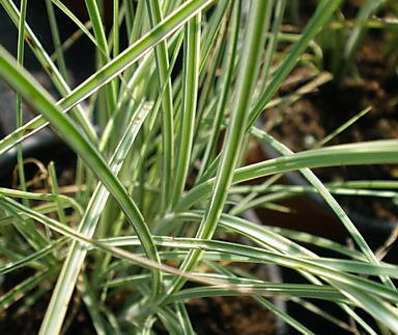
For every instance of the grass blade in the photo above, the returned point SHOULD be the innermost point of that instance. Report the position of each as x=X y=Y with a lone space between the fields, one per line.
x=162 y=62
x=190 y=97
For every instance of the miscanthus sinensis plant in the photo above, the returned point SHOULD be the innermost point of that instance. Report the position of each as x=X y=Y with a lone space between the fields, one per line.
x=160 y=130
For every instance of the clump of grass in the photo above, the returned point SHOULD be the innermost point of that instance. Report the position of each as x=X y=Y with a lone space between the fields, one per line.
x=153 y=187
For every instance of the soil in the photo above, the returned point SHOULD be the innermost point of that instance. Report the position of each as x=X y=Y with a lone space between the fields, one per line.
x=318 y=114
x=24 y=317
x=238 y=315
x=234 y=315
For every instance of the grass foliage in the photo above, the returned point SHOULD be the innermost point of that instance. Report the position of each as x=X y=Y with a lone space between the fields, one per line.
x=163 y=182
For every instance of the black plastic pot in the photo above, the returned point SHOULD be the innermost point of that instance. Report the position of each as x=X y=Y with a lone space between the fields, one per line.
x=44 y=145
x=315 y=216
